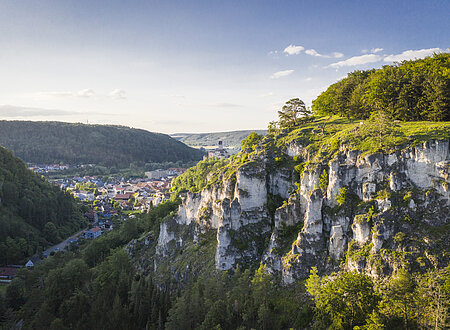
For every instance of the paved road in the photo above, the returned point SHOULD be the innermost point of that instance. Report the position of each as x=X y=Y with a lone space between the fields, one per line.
x=61 y=246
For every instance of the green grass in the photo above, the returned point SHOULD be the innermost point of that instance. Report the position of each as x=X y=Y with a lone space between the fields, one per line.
x=2 y=289
x=338 y=131
x=342 y=131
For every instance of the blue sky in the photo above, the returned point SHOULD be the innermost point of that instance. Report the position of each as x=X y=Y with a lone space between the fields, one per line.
x=197 y=66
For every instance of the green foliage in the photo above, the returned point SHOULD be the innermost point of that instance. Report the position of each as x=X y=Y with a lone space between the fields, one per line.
x=323 y=181
x=299 y=168
x=273 y=202
x=342 y=302
x=293 y=113
x=93 y=287
x=55 y=142
x=196 y=178
x=251 y=141
x=342 y=197
x=240 y=301
x=33 y=213
x=287 y=235
x=408 y=91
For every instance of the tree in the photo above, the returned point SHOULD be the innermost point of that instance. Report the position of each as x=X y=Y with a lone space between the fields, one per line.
x=433 y=297
x=399 y=300
x=292 y=112
x=251 y=141
x=343 y=302
x=378 y=126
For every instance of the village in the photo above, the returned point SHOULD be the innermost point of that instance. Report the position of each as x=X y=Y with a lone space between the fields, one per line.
x=107 y=203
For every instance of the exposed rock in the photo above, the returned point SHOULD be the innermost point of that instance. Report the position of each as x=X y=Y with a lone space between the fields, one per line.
x=236 y=209
x=288 y=214
x=361 y=229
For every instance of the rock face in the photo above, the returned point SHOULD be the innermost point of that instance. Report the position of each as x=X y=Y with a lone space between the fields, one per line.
x=367 y=200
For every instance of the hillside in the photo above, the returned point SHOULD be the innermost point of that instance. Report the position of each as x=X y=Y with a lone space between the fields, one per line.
x=57 y=142
x=231 y=140
x=298 y=214
x=33 y=213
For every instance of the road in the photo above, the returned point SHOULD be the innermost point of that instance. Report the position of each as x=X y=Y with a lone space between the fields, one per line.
x=61 y=246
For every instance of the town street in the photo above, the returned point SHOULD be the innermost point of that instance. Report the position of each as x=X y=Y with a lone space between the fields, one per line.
x=61 y=246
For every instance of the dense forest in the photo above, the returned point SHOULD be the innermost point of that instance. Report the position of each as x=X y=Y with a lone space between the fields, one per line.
x=407 y=91
x=118 y=146
x=93 y=286
x=33 y=213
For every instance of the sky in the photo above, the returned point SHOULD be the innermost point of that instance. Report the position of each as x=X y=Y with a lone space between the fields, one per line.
x=197 y=66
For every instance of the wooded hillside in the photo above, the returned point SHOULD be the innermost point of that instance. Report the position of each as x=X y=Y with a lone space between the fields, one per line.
x=408 y=91
x=33 y=213
x=55 y=142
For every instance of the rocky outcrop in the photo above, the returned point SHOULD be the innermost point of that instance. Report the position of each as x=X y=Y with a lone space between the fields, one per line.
x=384 y=194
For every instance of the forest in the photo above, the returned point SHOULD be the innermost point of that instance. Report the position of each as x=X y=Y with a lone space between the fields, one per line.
x=109 y=146
x=409 y=91
x=33 y=213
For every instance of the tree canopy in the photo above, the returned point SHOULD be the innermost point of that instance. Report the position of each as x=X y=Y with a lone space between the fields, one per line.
x=56 y=142
x=293 y=112
x=33 y=213
x=408 y=91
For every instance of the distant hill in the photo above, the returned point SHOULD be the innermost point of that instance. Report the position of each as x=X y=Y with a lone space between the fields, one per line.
x=33 y=213
x=231 y=140
x=54 y=142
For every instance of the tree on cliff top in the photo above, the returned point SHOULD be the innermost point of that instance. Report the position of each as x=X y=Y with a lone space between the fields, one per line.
x=293 y=112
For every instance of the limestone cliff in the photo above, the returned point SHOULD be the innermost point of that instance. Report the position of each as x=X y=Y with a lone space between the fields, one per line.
x=366 y=211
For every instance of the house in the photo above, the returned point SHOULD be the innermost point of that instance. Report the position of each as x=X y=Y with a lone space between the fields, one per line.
x=93 y=233
x=220 y=152
x=122 y=197
x=157 y=174
x=7 y=273
x=34 y=260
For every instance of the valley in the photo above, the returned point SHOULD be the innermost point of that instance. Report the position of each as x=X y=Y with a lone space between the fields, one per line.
x=335 y=217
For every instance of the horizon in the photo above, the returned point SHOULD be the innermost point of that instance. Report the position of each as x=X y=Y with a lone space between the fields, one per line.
x=131 y=127
x=199 y=66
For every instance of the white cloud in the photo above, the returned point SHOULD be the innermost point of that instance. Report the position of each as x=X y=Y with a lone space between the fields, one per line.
x=376 y=50
x=357 y=60
x=312 y=52
x=412 y=54
x=280 y=74
x=225 y=105
x=118 y=94
x=293 y=50
x=337 y=55
x=266 y=94
x=85 y=93
x=11 y=111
